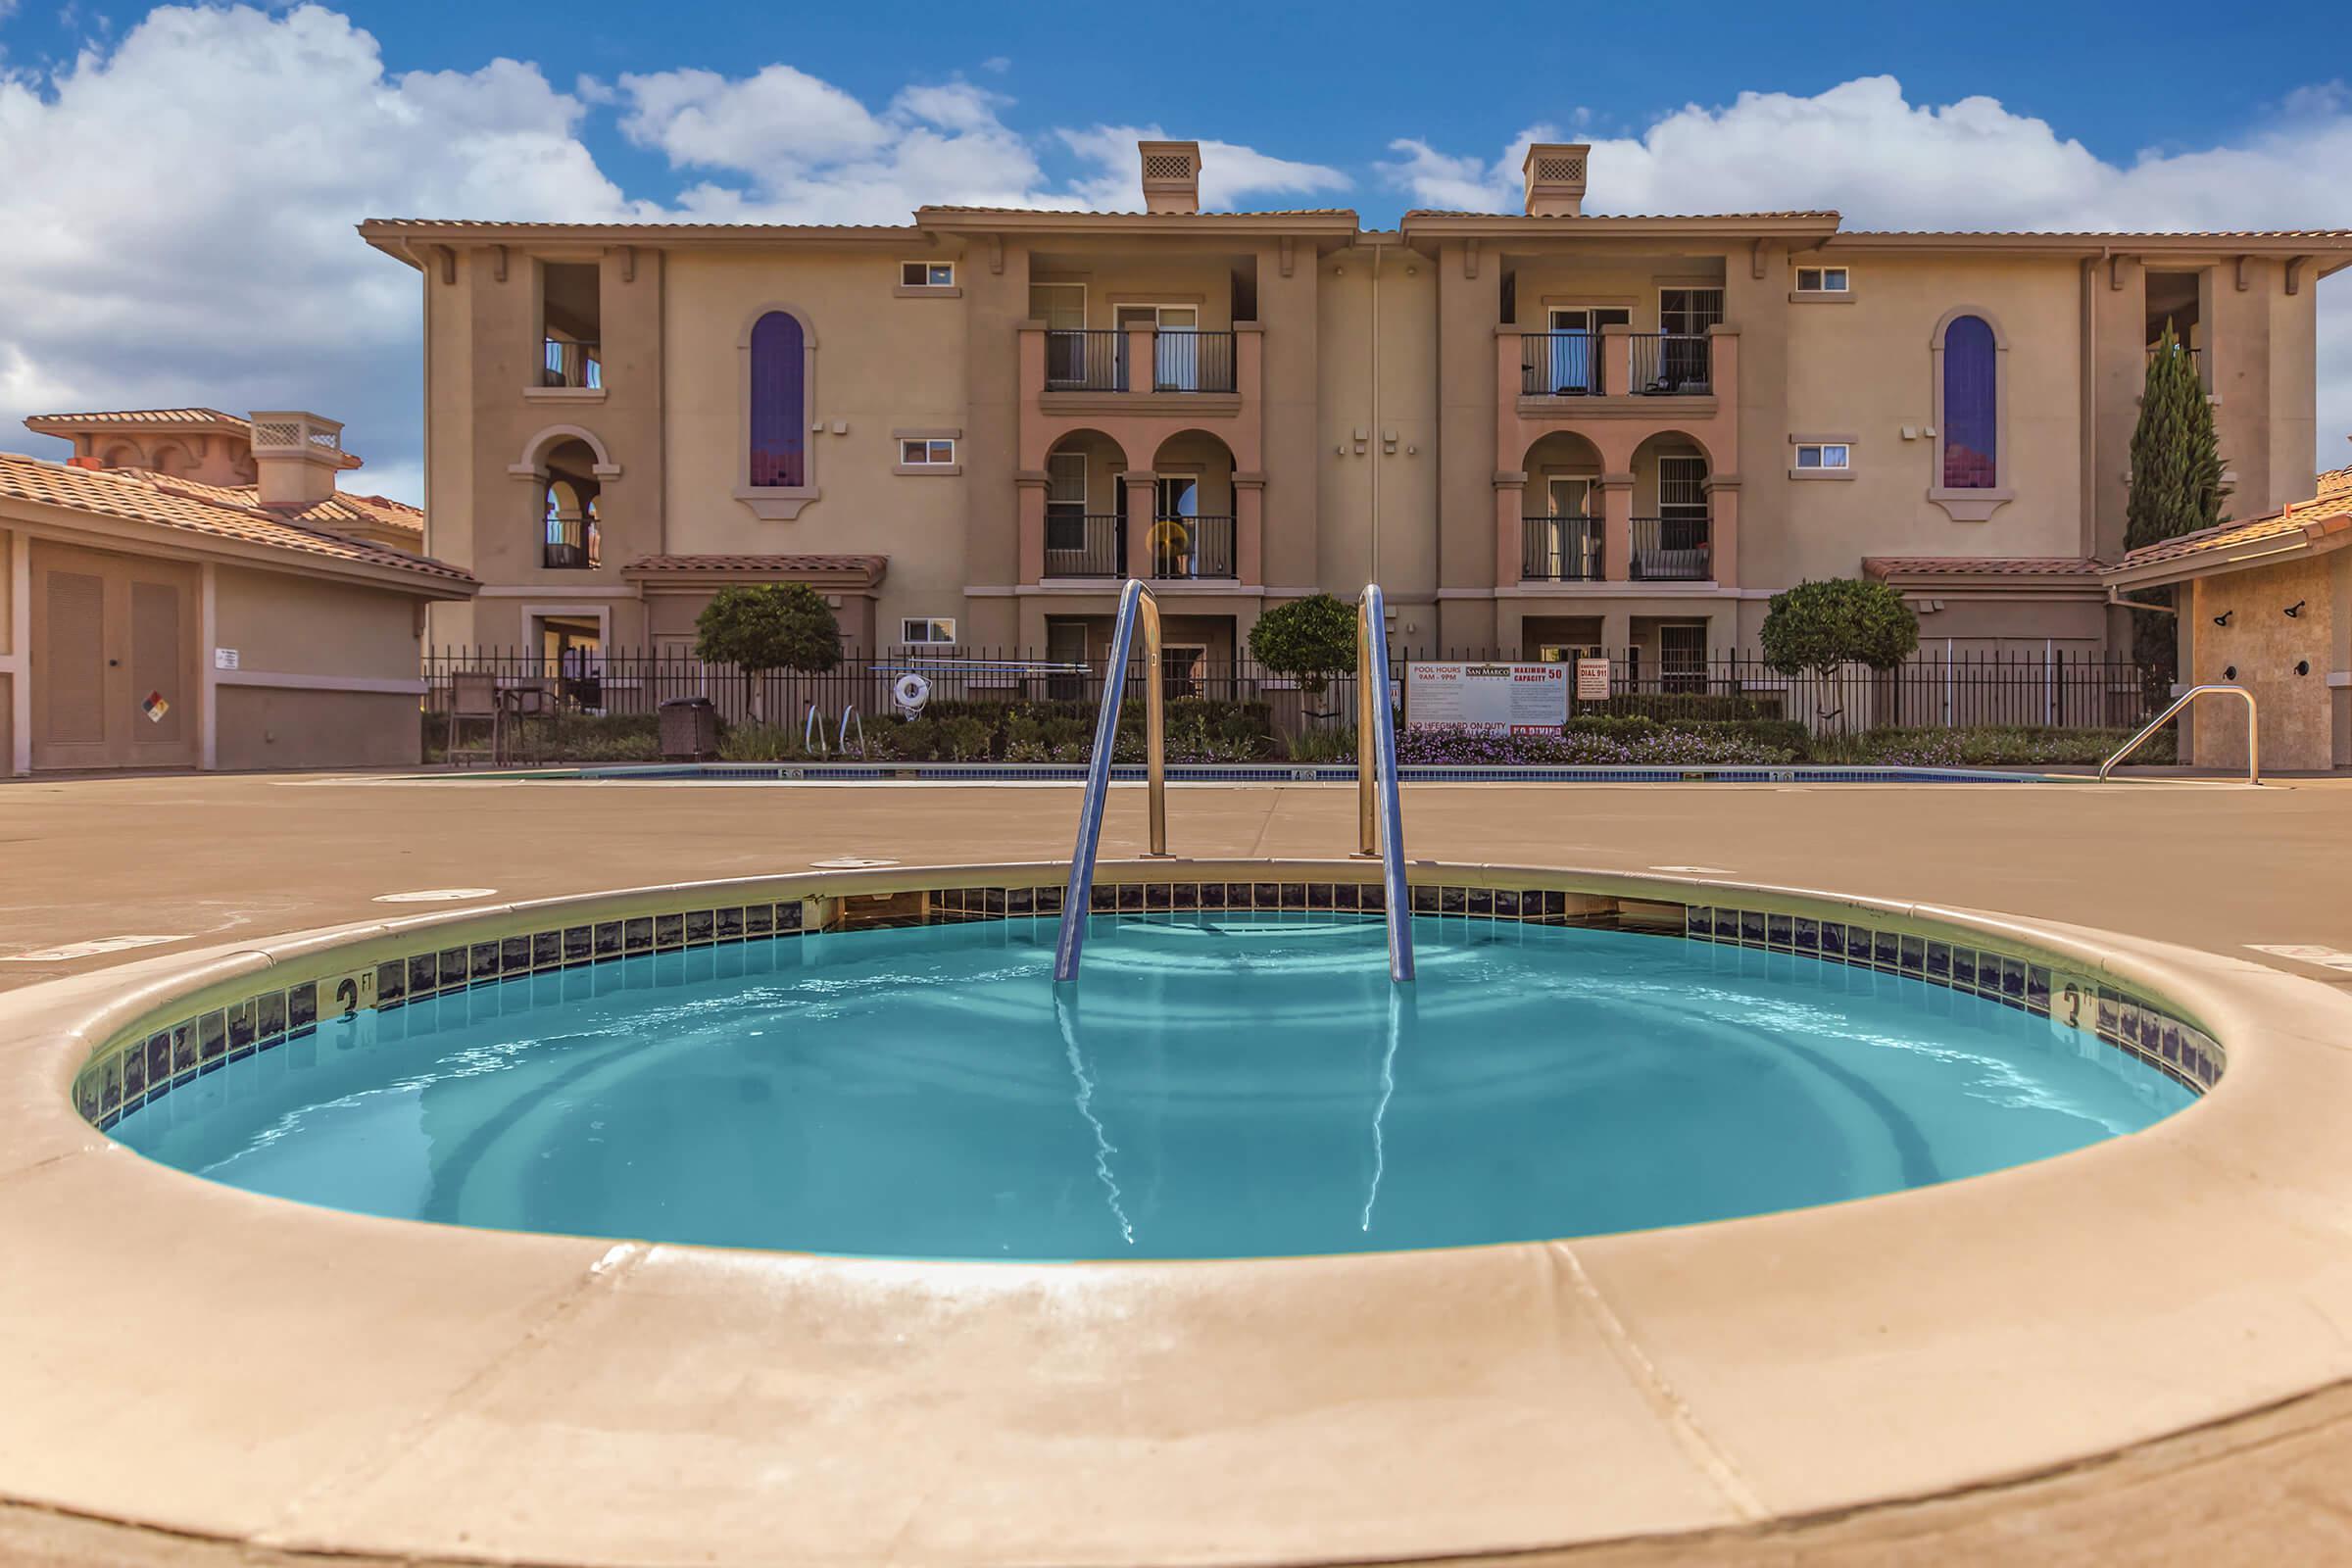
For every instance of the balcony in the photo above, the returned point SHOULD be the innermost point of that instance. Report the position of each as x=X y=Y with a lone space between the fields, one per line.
x=1557 y=549
x=1098 y=360
x=1192 y=547
x=1584 y=364
x=571 y=363
x=1670 y=550
x=1083 y=544
x=571 y=545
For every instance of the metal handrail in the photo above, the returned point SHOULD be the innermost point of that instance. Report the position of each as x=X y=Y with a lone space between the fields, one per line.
x=849 y=713
x=812 y=733
x=1135 y=603
x=1379 y=827
x=2253 y=735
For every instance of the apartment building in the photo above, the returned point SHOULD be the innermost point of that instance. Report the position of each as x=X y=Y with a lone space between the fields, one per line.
x=1539 y=431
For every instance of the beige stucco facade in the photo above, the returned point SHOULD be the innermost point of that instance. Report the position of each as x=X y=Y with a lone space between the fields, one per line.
x=1522 y=426
x=140 y=628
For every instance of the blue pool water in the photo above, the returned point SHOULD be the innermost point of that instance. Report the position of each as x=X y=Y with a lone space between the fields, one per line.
x=1223 y=1084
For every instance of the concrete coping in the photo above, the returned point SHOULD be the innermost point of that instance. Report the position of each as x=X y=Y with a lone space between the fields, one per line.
x=192 y=1359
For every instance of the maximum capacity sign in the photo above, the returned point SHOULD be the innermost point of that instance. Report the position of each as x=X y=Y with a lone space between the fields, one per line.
x=1497 y=699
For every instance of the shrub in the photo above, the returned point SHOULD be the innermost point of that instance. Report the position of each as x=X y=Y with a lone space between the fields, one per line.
x=1312 y=639
x=1990 y=746
x=768 y=627
x=1681 y=707
x=1648 y=745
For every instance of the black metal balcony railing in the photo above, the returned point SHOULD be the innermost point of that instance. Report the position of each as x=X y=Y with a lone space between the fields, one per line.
x=568 y=362
x=572 y=545
x=1559 y=549
x=1559 y=364
x=1187 y=361
x=1085 y=544
x=1669 y=549
x=1668 y=365
x=1084 y=360
x=1192 y=546
x=2196 y=357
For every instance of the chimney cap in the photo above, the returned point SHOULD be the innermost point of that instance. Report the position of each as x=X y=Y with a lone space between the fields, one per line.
x=1171 y=176
x=296 y=455
x=1555 y=177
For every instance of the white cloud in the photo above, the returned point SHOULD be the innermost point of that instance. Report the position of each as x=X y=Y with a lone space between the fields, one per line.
x=1228 y=173
x=1886 y=163
x=176 y=222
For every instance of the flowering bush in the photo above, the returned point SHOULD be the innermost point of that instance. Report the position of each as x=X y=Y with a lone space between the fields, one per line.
x=1458 y=746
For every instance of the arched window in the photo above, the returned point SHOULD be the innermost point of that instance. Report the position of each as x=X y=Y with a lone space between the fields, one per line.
x=1972 y=408
x=779 y=423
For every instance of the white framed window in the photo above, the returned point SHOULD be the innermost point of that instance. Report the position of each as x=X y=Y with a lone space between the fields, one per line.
x=1822 y=280
x=1829 y=455
x=927 y=453
x=926 y=274
x=929 y=631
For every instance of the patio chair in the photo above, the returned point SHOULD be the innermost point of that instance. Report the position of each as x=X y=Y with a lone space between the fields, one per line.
x=473 y=699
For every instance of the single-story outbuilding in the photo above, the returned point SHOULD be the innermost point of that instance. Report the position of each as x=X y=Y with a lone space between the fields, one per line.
x=2266 y=605
x=153 y=620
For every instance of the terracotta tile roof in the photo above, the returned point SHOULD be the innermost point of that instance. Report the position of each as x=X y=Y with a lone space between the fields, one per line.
x=208 y=510
x=2313 y=519
x=2335 y=485
x=212 y=417
x=1641 y=217
x=1883 y=566
x=341 y=507
x=782 y=564
x=1094 y=212
x=2101 y=234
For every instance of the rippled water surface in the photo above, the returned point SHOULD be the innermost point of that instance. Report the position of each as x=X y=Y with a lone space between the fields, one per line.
x=1220 y=1086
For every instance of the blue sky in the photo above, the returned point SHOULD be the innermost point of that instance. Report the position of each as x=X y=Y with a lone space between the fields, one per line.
x=175 y=223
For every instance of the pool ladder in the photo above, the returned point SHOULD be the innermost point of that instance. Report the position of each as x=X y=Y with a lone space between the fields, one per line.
x=1380 y=829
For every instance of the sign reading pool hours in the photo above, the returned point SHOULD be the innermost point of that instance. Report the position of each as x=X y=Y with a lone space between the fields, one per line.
x=1495 y=699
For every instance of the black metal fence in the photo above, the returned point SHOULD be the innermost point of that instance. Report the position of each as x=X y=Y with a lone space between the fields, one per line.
x=1084 y=361
x=1559 y=364
x=2030 y=688
x=1184 y=359
x=1564 y=549
x=1668 y=365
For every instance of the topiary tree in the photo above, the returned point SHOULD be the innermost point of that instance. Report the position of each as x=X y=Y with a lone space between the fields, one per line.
x=2177 y=486
x=1311 y=638
x=768 y=627
x=1820 y=628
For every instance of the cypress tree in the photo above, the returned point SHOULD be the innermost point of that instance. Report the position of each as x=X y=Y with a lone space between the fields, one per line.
x=2176 y=483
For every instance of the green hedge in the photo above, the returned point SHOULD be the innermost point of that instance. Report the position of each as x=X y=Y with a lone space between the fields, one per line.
x=1680 y=708
x=1990 y=746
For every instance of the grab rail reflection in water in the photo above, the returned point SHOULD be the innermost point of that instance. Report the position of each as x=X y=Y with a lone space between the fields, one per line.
x=2253 y=740
x=1136 y=605
x=1380 y=829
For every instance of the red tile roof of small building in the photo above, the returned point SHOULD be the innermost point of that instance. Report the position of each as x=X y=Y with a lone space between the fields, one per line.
x=212 y=417
x=213 y=510
x=2312 y=519
x=1883 y=567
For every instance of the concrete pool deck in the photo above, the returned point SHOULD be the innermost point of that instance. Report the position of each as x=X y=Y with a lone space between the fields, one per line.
x=2137 y=1353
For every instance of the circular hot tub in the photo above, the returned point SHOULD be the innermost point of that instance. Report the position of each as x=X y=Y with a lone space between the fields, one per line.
x=1233 y=1074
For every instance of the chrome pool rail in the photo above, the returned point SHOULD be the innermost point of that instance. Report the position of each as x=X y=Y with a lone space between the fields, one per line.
x=1135 y=604
x=1380 y=829
x=813 y=732
x=849 y=715
x=2253 y=736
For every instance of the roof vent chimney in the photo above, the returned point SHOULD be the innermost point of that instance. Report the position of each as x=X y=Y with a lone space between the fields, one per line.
x=1171 y=176
x=1556 y=178
x=296 y=456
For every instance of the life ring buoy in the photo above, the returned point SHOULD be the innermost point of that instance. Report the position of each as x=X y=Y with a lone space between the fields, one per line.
x=910 y=691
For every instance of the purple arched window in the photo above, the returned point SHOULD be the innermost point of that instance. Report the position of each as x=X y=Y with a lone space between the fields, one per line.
x=779 y=403
x=1972 y=417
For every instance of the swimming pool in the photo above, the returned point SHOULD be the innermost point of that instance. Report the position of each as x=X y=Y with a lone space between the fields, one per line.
x=1236 y=1080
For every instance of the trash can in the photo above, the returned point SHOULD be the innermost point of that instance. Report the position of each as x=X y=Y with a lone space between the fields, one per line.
x=689 y=729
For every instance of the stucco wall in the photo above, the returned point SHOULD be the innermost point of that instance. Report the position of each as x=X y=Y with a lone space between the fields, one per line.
x=284 y=624
x=1865 y=369
x=2259 y=650
x=263 y=727
x=883 y=363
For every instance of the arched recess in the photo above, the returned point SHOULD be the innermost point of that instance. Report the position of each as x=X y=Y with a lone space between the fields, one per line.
x=532 y=465
x=1196 y=507
x=1672 y=528
x=570 y=536
x=1969 y=358
x=775 y=446
x=170 y=457
x=1086 y=504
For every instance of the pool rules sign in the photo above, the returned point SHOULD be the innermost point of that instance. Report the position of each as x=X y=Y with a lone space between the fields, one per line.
x=1494 y=698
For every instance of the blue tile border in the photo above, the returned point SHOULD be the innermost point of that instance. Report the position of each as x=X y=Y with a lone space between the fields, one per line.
x=137 y=1070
